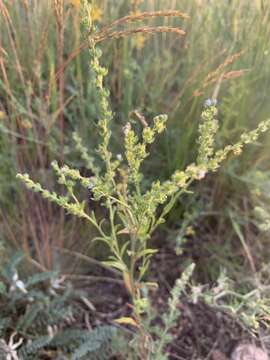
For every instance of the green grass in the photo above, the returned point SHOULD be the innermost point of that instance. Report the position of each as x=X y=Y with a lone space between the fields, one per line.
x=46 y=93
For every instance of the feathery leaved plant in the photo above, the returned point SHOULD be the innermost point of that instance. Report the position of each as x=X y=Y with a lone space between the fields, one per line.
x=169 y=319
x=37 y=314
x=134 y=211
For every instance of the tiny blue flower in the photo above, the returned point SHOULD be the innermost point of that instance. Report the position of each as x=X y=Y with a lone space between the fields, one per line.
x=210 y=102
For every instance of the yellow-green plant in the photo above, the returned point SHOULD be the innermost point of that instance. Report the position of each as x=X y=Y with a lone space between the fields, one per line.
x=134 y=210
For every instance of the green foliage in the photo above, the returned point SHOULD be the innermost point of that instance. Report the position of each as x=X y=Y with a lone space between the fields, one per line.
x=37 y=310
x=127 y=200
x=34 y=105
x=38 y=297
x=161 y=75
x=135 y=211
x=100 y=344
x=244 y=299
x=169 y=318
x=34 y=348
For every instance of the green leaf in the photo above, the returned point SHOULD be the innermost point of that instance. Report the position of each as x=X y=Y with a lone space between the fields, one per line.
x=124 y=247
x=115 y=264
x=9 y=270
x=40 y=277
x=146 y=252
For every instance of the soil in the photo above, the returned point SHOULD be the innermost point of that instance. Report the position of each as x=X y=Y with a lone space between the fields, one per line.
x=202 y=332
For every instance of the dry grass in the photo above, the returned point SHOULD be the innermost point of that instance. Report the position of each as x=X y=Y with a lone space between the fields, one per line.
x=219 y=74
x=99 y=37
x=146 y=15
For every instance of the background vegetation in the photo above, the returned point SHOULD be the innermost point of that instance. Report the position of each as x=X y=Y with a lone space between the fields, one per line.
x=46 y=93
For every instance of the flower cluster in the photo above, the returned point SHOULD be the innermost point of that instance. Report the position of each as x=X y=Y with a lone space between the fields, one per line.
x=207 y=129
x=76 y=209
x=89 y=160
x=135 y=151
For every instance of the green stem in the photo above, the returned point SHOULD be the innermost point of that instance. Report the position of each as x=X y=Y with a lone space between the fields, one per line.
x=168 y=207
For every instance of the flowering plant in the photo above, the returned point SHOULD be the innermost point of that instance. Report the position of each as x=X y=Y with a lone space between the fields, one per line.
x=134 y=211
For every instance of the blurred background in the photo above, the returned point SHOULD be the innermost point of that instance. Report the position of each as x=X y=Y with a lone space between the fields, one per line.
x=46 y=94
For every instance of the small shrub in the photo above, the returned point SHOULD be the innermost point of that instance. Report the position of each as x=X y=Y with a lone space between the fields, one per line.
x=134 y=211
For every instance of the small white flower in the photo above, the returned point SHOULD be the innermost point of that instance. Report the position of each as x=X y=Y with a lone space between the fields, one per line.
x=57 y=282
x=119 y=157
x=91 y=183
x=201 y=174
x=17 y=284
x=20 y=285
x=15 y=276
x=126 y=128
